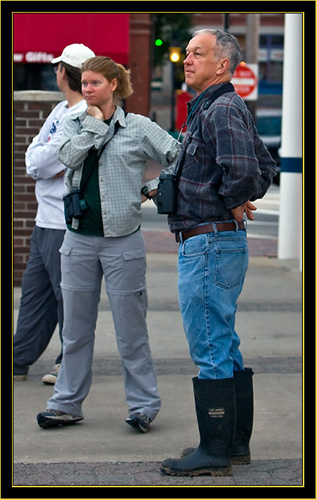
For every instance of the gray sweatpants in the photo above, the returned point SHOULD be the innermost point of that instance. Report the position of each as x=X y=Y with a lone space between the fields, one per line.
x=41 y=305
x=84 y=260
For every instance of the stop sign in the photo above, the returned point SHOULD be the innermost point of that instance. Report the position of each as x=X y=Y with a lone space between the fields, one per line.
x=245 y=81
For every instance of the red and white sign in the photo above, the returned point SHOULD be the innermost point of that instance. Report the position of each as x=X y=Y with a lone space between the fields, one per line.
x=245 y=81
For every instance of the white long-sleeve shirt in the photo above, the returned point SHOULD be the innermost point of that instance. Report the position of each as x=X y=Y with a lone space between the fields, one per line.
x=42 y=165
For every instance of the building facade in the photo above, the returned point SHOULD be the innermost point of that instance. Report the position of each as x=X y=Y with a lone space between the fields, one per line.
x=36 y=94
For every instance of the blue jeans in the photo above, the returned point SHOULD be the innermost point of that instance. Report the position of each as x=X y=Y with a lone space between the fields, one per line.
x=211 y=272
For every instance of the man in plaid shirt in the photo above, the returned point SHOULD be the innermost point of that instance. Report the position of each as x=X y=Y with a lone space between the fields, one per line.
x=225 y=166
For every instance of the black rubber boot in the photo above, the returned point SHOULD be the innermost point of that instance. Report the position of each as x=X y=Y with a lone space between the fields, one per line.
x=240 y=453
x=215 y=409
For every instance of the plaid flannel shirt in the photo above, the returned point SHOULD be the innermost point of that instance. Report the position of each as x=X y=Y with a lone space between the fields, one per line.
x=121 y=165
x=226 y=162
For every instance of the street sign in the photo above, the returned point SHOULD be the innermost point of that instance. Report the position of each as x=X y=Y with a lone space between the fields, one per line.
x=245 y=81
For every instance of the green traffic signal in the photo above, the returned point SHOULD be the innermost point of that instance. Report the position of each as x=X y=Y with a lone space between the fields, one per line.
x=158 y=42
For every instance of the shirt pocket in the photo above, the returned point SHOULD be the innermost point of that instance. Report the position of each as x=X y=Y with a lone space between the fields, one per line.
x=193 y=161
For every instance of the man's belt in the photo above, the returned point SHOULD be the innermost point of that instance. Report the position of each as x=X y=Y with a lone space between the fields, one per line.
x=209 y=228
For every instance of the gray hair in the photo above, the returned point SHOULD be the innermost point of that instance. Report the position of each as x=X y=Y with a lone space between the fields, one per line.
x=228 y=46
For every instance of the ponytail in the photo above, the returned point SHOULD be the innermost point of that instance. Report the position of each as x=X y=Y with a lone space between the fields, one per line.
x=124 y=87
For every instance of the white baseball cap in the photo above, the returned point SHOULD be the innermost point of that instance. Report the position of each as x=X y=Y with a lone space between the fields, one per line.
x=74 y=55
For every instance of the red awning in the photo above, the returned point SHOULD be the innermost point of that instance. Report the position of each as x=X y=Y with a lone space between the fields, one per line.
x=38 y=38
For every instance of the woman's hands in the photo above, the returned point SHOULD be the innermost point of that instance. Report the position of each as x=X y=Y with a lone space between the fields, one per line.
x=95 y=112
x=151 y=193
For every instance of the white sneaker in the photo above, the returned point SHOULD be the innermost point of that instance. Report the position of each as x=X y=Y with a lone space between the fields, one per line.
x=50 y=378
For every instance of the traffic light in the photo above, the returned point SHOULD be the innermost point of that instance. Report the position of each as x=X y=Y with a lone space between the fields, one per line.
x=175 y=53
x=158 y=42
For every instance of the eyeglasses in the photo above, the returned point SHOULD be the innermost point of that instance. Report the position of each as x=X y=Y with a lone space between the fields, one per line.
x=56 y=68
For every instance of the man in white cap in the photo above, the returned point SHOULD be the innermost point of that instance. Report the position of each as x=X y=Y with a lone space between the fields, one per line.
x=41 y=306
x=74 y=55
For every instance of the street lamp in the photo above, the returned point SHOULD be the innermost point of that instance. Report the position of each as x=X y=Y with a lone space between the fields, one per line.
x=174 y=54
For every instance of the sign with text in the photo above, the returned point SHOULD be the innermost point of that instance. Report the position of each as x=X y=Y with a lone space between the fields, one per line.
x=245 y=81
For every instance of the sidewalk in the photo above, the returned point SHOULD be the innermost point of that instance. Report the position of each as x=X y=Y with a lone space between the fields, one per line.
x=103 y=450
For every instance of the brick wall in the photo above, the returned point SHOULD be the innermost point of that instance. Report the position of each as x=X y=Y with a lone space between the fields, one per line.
x=140 y=63
x=30 y=111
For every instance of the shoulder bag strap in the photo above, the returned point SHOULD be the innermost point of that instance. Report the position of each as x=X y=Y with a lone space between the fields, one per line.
x=83 y=187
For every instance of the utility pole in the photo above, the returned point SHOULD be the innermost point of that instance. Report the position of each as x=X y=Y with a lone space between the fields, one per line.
x=290 y=222
x=251 y=48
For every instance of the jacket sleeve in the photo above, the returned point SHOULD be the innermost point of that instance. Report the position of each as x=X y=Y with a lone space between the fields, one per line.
x=247 y=166
x=158 y=145
x=79 y=136
x=267 y=166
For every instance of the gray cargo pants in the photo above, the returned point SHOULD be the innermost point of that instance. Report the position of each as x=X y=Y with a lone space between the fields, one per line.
x=84 y=260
